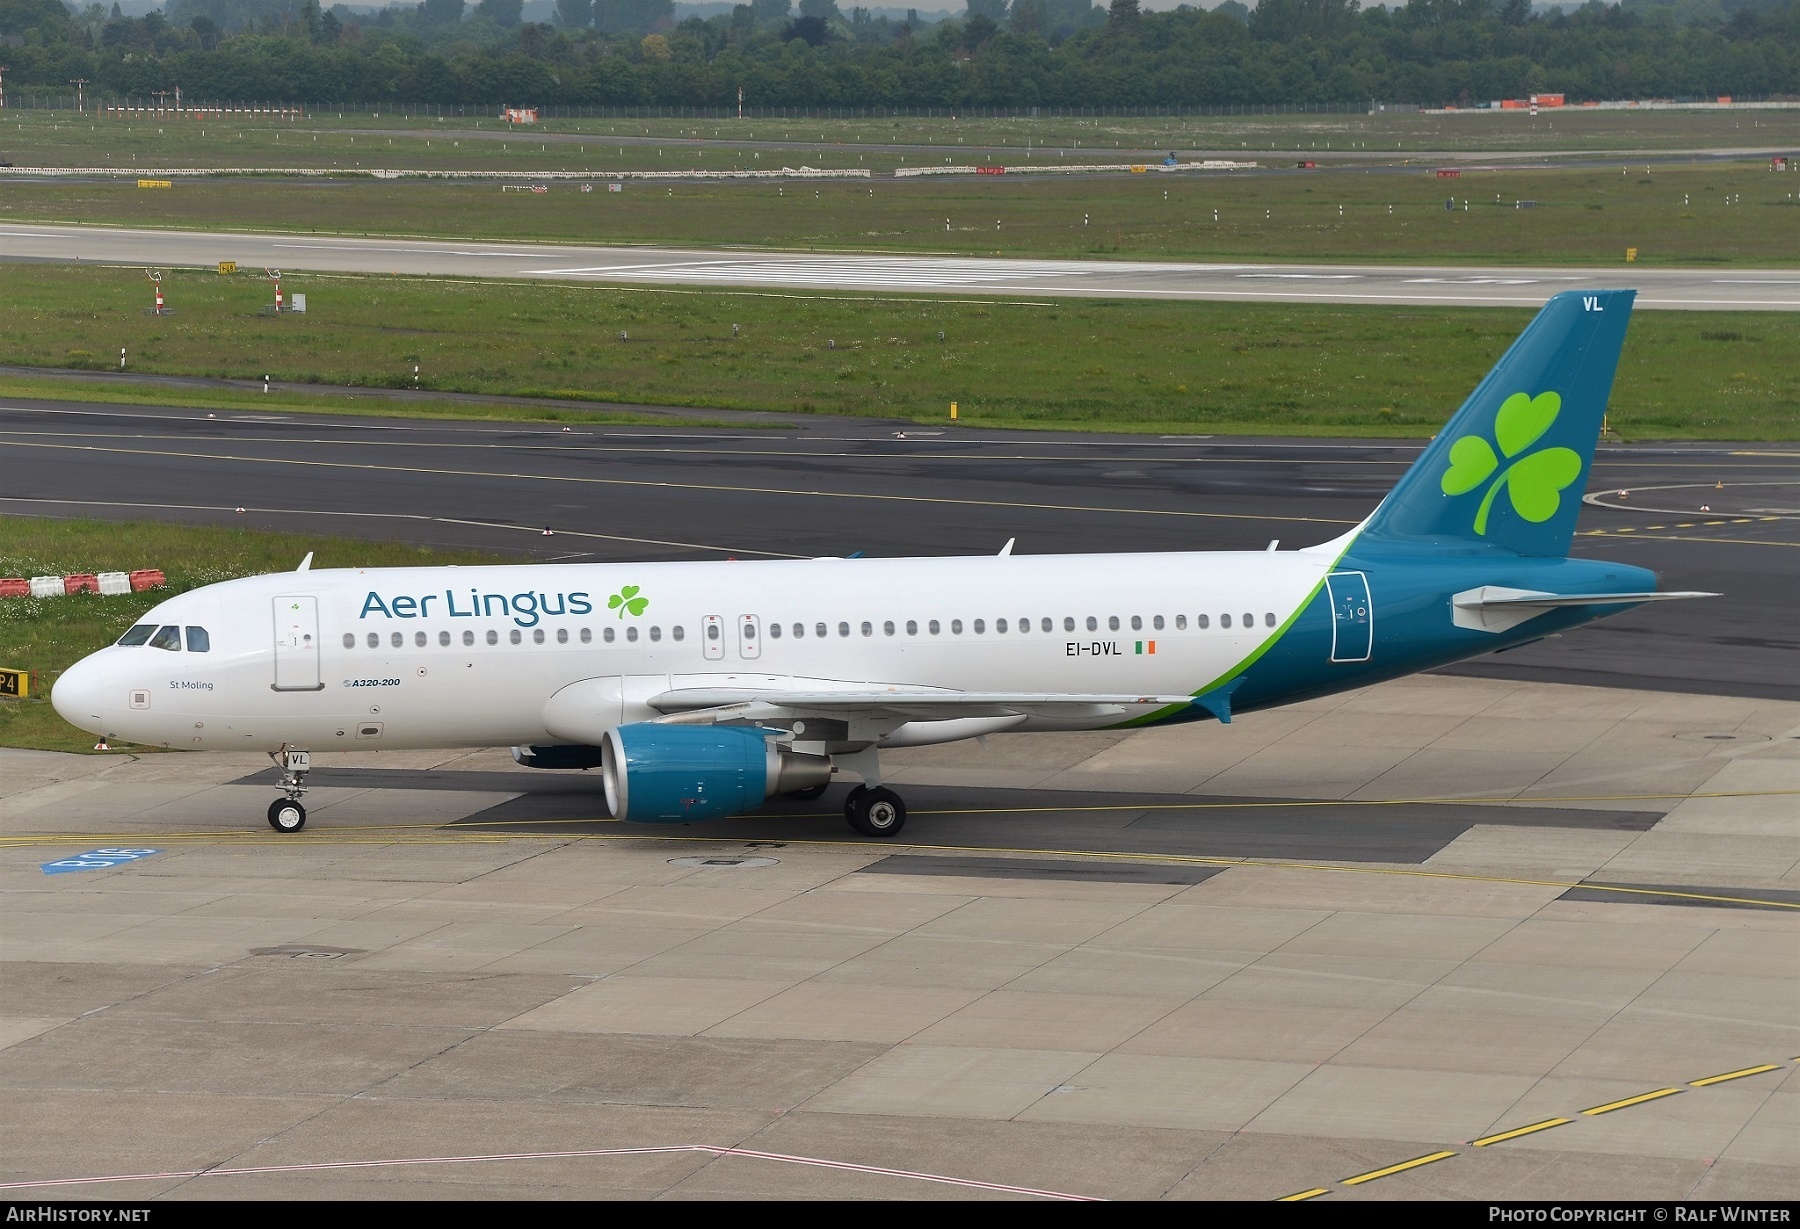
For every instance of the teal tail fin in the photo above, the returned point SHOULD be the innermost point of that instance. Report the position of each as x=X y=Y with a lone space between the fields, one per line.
x=1509 y=469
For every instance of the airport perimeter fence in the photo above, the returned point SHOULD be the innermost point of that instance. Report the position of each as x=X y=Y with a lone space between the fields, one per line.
x=48 y=101
x=28 y=99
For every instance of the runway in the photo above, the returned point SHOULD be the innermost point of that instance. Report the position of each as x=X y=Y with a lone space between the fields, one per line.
x=836 y=487
x=1443 y=286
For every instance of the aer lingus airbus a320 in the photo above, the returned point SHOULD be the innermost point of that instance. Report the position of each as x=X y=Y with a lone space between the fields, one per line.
x=701 y=689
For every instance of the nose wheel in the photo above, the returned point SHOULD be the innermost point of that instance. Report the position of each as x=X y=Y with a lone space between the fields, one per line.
x=875 y=812
x=286 y=814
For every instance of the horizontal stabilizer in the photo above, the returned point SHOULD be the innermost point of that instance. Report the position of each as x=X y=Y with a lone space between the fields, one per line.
x=1493 y=608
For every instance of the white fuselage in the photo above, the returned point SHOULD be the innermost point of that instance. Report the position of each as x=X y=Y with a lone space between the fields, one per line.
x=441 y=657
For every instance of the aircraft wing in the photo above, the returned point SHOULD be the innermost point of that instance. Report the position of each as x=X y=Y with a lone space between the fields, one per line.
x=709 y=704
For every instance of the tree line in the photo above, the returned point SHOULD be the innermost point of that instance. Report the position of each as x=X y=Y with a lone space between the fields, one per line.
x=1000 y=53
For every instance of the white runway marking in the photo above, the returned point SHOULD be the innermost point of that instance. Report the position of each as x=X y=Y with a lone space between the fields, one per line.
x=1483 y=281
x=583 y=1154
x=840 y=271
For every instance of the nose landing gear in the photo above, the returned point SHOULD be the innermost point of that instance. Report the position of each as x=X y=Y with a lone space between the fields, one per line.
x=286 y=814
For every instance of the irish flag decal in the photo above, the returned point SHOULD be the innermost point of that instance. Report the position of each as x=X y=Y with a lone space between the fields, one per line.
x=1146 y=646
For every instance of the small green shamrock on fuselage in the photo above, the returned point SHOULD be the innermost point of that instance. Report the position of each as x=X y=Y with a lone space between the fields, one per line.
x=626 y=599
x=1535 y=481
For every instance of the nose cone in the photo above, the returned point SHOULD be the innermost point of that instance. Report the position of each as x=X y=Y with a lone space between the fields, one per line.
x=78 y=693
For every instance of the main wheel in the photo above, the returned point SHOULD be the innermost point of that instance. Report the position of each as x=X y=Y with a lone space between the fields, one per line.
x=875 y=812
x=809 y=793
x=286 y=815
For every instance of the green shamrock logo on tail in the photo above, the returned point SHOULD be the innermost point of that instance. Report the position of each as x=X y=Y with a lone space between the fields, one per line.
x=1535 y=481
x=626 y=599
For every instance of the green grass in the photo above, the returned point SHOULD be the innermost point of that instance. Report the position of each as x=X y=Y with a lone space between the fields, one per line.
x=47 y=635
x=399 y=138
x=1076 y=364
x=1737 y=214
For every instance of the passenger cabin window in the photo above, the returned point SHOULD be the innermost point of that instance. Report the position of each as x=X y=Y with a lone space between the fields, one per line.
x=656 y=633
x=374 y=640
x=1156 y=623
x=468 y=638
x=397 y=639
x=677 y=632
x=1224 y=620
x=912 y=627
x=587 y=636
x=631 y=634
x=493 y=637
x=1181 y=623
x=562 y=635
x=932 y=627
x=979 y=626
x=774 y=631
x=956 y=627
x=608 y=634
x=167 y=638
x=1137 y=624
x=1093 y=624
x=843 y=629
x=1269 y=619
x=1068 y=623
x=444 y=639
x=349 y=640
x=1000 y=626
x=820 y=630
x=537 y=635
x=887 y=629
x=138 y=634
x=419 y=640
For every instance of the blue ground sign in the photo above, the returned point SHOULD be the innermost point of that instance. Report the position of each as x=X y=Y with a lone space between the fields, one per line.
x=96 y=860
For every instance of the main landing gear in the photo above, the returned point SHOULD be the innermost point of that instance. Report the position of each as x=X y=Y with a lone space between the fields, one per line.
x=286 y=814
x=875 y=812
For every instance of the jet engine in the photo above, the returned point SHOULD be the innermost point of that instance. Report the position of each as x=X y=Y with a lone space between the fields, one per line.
x=671 y=773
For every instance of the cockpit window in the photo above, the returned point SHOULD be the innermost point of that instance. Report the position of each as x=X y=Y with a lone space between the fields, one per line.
x=198 y=641
x=167 y=638
x=138 y=634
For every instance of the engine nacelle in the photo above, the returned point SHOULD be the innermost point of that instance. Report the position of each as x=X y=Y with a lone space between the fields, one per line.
x=658 y=773
x=571 y=756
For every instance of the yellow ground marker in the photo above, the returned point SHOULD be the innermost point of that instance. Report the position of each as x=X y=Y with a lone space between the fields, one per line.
x=1610 y=1106
x=1297 y=1196
x=1734 y=1075
x=1417 y=1161
x=1533 y=1129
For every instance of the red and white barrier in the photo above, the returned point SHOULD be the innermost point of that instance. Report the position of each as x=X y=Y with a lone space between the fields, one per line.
x=105 y=583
